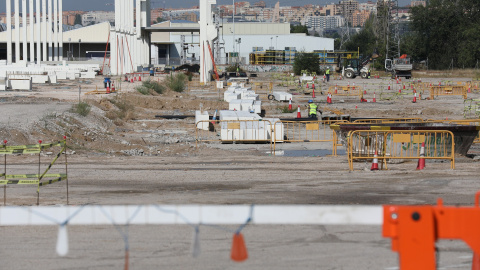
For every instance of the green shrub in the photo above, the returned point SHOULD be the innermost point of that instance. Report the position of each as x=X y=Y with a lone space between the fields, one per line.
x=82 y=108
x=149 y=86
x=176 y=82
x=143 y=90
x=189 y=76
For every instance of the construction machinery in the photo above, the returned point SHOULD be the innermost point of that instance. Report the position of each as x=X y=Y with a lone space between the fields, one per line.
x=353 y=67
x=399 y=67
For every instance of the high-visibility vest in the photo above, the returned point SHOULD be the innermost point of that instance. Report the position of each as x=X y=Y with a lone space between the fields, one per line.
x=313 y=108
x=327 y=72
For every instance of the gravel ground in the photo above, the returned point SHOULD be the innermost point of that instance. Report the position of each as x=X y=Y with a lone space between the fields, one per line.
x=143 y=160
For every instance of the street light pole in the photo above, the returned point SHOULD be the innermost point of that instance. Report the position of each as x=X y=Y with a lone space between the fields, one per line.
x=233 y=20
x=271 y=40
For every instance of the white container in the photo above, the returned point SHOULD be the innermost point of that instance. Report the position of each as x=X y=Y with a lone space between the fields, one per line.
x=201 y=116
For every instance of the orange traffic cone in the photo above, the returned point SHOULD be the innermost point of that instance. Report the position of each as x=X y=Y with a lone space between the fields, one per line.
x=375 y=162
x=397 y=81
x=108 y=88
x=414 y=98
x=403 y=86
x=290 y=105
x=335 y=88
x=389 y=86
x=364 y=92
x=353 y=86
x=113 y=88
x=307 y=85
x=374 y=99
x=299 y=114
x=329 y=99
x=139 y=78
x=239 y=249
x=421 y=160
x=313 y=91
x=313 y=86
x=131 y=80
x=400 y=90
x=475 y=261
x=134 y=78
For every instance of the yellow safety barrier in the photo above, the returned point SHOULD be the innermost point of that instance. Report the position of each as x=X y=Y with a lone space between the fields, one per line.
x=307 y=131
x=262 y=86
x=448 y=91
x=234 y=131
x=39 y=179
x=400 y=144
x=469 y=122
x=388 y=120
x=346 y=91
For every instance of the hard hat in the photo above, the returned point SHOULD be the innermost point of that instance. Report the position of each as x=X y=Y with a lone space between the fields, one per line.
x=310 y=101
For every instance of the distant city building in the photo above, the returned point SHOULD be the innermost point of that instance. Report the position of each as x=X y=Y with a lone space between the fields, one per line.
x=260 y=4
x=360 y=17
x=319 y=23
x=347 y=8
x=418 y=3
x=94 y=17
x=370 y=7
x=192 y=15
x=69 y=16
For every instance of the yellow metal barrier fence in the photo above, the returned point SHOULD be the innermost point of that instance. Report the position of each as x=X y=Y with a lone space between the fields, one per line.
x=388 y=120
x=345 y=91
x=230 y=131
x=469 y=122
x=400 y=144
x=448 y=91
x=306 y=131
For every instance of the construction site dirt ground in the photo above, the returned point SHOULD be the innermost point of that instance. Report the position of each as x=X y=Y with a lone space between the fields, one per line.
x=122 y=154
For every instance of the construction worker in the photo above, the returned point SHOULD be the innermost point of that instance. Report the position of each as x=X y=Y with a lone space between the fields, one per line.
x=327 y=72
x=312 y=110
x=369 y=72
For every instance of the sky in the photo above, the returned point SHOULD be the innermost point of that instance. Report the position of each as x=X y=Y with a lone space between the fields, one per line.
x=108 y=4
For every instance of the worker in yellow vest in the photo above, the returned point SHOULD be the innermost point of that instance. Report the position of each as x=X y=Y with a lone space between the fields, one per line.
x=327 y=73
x=313 y=109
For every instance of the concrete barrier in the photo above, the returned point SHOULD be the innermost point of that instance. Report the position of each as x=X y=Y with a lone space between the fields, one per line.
x=87 y=75
x=20 y=84
x=52 y=78
x=40 y=79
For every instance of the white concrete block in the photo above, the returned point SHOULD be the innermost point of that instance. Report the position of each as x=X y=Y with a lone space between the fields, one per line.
x=231 y=96
x=282 y=96
x=40 y=79
x=71 y=76
x=87 y=75
x=276 y=129
x=201 y=116
x=20 y=84
x=61 y=75
x=52 y=78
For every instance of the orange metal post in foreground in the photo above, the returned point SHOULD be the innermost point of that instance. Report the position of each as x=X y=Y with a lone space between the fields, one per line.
x=415 y=229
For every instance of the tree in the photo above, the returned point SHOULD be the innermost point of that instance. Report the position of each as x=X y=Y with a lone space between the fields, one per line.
x=299 y=29
x=78 y=19
x=159 y=20
x=306 y=61
x=446 y=31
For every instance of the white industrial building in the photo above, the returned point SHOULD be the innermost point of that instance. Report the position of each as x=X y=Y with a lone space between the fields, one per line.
x=175 y=48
